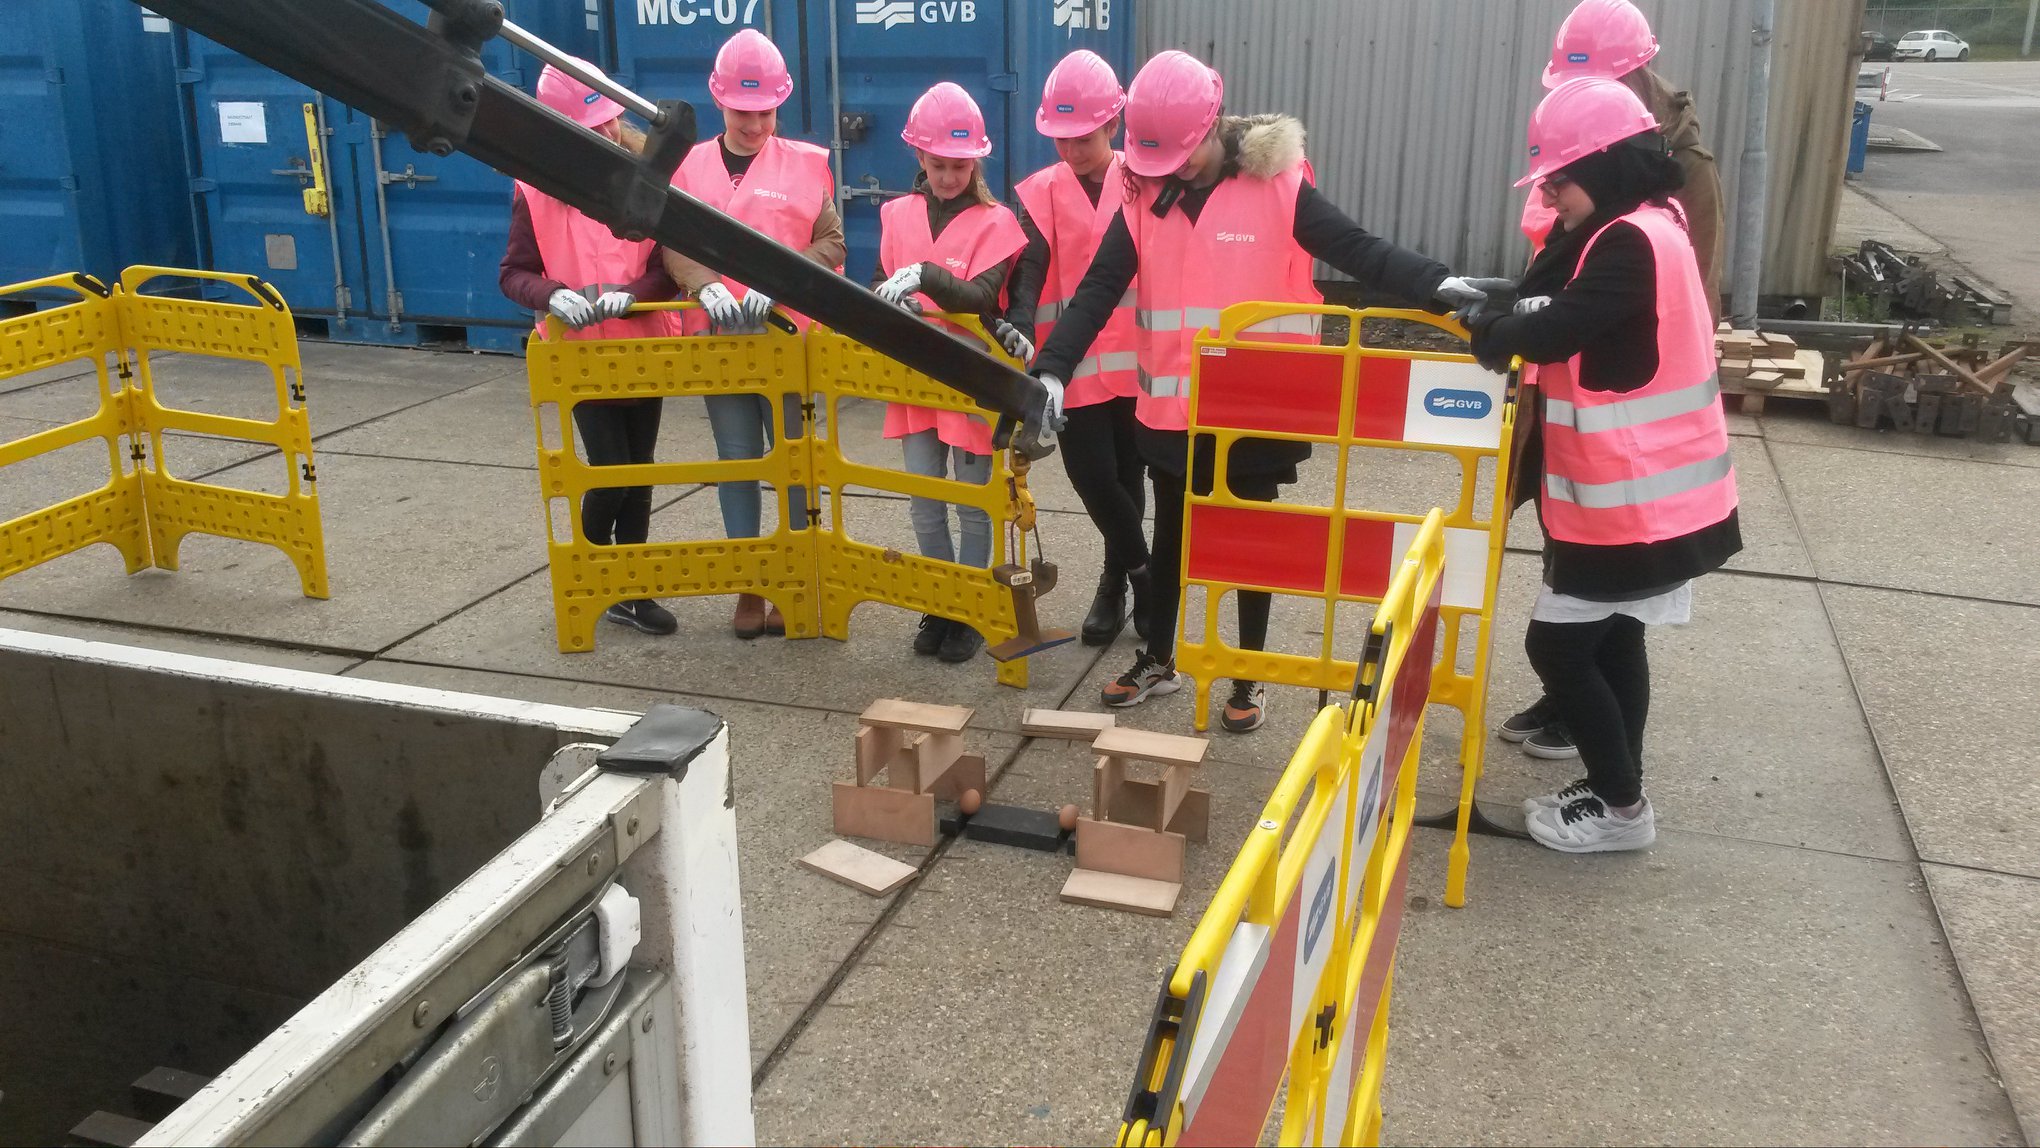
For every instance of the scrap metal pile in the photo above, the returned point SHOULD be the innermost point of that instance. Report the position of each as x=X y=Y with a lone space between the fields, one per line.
x=1902 y=381
x=1907 y=287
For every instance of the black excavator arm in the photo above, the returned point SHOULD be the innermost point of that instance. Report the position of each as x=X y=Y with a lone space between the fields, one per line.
x=429 y=81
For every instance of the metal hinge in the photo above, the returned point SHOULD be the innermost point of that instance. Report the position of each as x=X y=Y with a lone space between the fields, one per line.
x=137 y=451
x=1004 y=81
x=201 y=185
x=308 y=472
x=409 y=177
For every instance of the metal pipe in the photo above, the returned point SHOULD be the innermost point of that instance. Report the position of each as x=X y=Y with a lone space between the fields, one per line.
x=393 y=300
x=2032 y=11
x=837 y=147
x=592 y=77
x=343 y=299
x=1753 y=194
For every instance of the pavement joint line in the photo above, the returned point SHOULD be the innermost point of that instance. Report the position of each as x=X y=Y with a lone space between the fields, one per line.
x=290 y=645
x=332 y=451
x=1984 y=870
x=373 y=419
x=1880 y=449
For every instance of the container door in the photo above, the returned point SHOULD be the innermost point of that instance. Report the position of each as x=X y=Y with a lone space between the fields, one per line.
x=38 y=188
x=1043 y=32
x=663 y=49
x=254 y=132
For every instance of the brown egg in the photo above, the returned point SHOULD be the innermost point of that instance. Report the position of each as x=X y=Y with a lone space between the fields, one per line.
x=1066 y=817
x=970 y=802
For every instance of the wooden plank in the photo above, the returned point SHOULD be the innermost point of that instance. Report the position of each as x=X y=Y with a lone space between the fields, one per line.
x=885 y=814
x=1193 y=820
x=1118 y=891
x=1137 y=802
x=966 y=772
x=1950 y=365
x=858 y=867
x=1762 y=380
x=897 y=713
x=1075 y=725
x=1130 y=849
x=1166 y=748
x=933 y=755
x=876 y=748
x=1175 y=783
x=1107 y=779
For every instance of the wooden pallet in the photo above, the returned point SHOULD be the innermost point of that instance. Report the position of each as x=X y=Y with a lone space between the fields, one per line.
x=1809 y=388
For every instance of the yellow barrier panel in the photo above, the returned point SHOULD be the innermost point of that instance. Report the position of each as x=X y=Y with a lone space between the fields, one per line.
x=1281 y=995
x=261 y=332
x=852 y=571
x=815 y=575
x=144 y=510
x=586 y=577
x=1346 y=395
x=87 y=331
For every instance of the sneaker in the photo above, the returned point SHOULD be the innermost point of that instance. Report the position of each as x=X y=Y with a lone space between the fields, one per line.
x=1527 y=723
x=961 y=644
x=1559 y=800
x=928 y=639
x=1246 y=709
x=642 y=614
x=1145 y=678
x=1586 y=826
x=1552 y=743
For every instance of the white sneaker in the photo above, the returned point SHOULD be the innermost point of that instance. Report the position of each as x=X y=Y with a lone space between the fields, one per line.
x=1559 y=800
x=1585 y=826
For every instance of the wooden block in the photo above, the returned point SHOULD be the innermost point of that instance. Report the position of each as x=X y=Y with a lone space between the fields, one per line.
x=933 y=755
x=1130 y=849
x=966 y=772
x=876 y=749
x=1175 y=784
x=1166 y=748
x=898 y=714
x=1107 y=778
x=1762 y=380
x=1137 y=802
x=885 y=814
x=110 y=1129
x=858 y=867
x=1118 y=891
x=1073 y=724
x=1193 y=819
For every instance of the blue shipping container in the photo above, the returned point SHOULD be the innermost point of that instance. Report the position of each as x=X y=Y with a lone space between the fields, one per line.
x=91 y=170
x=407 y=248
x=860 y=64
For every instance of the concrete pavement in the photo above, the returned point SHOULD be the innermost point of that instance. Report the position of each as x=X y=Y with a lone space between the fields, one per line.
x=1831 y=942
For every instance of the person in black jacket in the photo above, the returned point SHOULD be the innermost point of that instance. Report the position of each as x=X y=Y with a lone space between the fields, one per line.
x=1263 y=148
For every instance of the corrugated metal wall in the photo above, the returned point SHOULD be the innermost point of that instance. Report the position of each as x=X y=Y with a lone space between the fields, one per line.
x=1416 y=108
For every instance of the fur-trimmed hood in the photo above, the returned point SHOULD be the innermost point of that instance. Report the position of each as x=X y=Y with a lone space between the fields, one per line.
x=1267 y=145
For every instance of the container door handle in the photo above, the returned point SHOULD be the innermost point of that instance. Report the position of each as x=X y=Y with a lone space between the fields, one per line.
x=316 y=200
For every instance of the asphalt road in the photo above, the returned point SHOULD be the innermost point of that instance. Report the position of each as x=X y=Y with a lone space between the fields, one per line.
x=1981 y=194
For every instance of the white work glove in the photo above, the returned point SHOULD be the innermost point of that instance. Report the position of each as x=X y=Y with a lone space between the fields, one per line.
x=756 y=305
x=1055 y=399
x=613 y=304
x=1533 y=304
x=901 y=287
x=1459 y=292
x=1010 y=337
x=723 y=309
x=571 y=308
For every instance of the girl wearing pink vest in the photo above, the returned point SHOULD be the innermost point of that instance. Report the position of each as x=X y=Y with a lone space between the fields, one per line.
x=1219 y=210
x=785 y=189
x=563 y=263
x=948 y=246
x=1065 y=210
x=1637 y=491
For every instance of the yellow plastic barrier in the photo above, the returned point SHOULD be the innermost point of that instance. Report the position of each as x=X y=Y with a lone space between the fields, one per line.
x=1281 y=995
x=144 y=511
x=816 y=575
x=1346 y=395
x=587 y=577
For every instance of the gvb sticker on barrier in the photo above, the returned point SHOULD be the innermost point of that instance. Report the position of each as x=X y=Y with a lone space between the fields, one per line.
x=1280 y=997
x=1252 y=380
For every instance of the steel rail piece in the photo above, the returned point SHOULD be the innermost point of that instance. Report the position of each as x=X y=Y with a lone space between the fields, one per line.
x=429 y=81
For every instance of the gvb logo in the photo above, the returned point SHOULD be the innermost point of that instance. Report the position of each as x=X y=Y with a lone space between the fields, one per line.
x=1320 y=911
x=1455 y=404
x=892 y=13
x=1089 y=15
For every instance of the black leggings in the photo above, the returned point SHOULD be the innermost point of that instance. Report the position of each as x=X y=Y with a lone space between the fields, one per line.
x=1166 y=564
x=618 y=432
x=1103 y=463
x=1598 y=677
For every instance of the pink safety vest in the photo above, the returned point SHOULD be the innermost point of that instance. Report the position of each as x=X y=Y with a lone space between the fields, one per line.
x=580 y=252
x=1623 y=467
x=979 y=238
x=1241 y=249
x=1538 y=220
x=1074 y=227
x=781 y=194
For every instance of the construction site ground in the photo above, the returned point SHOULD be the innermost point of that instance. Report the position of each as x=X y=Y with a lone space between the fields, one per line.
x=1833 y=940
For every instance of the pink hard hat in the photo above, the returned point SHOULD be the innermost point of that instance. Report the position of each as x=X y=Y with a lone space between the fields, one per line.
x=1600 y=38
x=1582 y=117
x=750 y=75
x=574 y=99
x=1081 y=96
x=946 y=122
x=1173 y=102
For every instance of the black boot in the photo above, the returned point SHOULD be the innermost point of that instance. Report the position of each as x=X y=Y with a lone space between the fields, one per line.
x=1108 y=609
x=1140 y=581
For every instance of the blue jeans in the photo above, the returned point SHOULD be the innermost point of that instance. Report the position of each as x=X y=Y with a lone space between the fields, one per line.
x=928 y=455
x=742 y=428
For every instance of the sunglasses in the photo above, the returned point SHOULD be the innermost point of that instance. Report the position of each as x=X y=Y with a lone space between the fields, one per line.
x=1557 y=181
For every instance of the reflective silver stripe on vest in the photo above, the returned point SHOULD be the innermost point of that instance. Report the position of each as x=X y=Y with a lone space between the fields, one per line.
x=1636 y=412
x=1163 y=386
x=1050 y=312
x=1112 y=361
x=1187 y=318
x=1638 y=491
